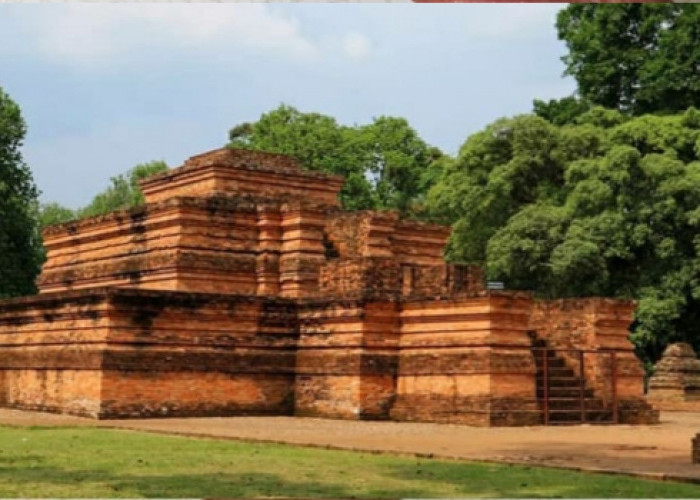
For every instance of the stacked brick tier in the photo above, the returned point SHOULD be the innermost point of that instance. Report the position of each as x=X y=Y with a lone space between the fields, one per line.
x=51 y=351
x=467 y=361
x=347 y=359
x=240 y=171
x=675 y=384
x=137 y=353
x=180 y=244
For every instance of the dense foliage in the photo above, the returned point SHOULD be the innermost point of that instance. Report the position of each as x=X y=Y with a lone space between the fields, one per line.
x=561 y=111
x=124 y=192
x=607 y=206
x=20 y=247
x=638 y=58
x=386 y=163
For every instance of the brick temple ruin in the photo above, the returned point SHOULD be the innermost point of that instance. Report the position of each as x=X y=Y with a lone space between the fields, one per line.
x=241 y=287
x=675 y=384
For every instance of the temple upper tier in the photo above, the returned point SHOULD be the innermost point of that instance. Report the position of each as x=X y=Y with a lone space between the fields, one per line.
x=246 y=222
x=238 y=172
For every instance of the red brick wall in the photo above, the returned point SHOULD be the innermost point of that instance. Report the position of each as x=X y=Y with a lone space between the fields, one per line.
x=346 y=363
x=186 y=244
x=51 y=352
x=56 y=390
x=132 y=353
x=371 y=277
x=147 y=393
x=467 y=361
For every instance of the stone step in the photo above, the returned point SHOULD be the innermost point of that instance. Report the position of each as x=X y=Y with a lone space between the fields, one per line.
x=574 y=416
x=564 y=392
x=574 y=404
x=551 y=362
x=568 y=413
x=551 y=353
x=559 y=372
x=566 y=382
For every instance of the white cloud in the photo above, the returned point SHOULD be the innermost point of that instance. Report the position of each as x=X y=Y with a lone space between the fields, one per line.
x=356 y=46
x=93 y=35
x=90 y=34
x=512 y=21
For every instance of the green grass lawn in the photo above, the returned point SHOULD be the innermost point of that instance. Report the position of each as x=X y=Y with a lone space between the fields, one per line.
x=83 y=462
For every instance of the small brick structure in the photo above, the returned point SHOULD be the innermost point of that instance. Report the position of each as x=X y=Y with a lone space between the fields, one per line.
x=241 y=287
x=675 y=384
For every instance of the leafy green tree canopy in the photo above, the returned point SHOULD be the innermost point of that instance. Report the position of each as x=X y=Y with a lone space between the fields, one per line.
x=608 y=206
x=124 y=192
x=54 y=213
x=638 y=58
x=20 y=247
x=561 y=111
x=386 y=163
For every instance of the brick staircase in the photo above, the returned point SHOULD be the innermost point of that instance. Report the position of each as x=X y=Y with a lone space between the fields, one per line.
x=569 y=401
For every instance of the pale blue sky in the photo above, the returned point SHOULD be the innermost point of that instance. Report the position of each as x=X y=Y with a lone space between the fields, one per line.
x=104 y=87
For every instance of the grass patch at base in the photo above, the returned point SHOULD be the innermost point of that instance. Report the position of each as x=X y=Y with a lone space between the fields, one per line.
x=83 y=462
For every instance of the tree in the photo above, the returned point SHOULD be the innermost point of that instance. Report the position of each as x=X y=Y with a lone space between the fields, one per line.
x=124 y=191
x=20 y=248
x=397 y=160
x=637 y=58
x=53 y=213
x=607 y=206
x=384 y=162
x=561 y=111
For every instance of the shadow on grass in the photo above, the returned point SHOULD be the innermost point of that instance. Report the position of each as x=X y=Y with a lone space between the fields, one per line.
x=422 y=478
x=18 y=461
x=42 y=481
x=490 y=480
x=29 y=472
x=247 y=485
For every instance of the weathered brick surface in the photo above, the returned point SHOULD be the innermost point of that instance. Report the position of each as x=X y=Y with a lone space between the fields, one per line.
x=242 y=288
x=467 y=361
x=363 y=277
x=347 y=359
x=242 y=171
x=62 y=390
x=185 y=243
x=140 y=394
x=129 y=353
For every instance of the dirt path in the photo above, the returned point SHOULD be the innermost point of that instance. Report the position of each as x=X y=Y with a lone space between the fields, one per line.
x=661 y=451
